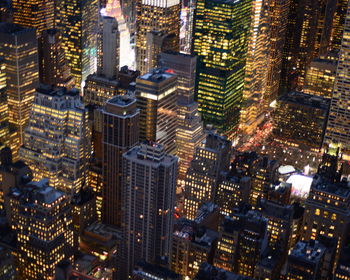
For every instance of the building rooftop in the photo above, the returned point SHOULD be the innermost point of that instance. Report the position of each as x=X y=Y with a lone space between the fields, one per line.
x=309 y=252
x=122 y=100
x=158 y=272
x=304 y=99
x=56 y=91
x=157 y=75
x=209 y=272
x=341 y=189
x=10 y=28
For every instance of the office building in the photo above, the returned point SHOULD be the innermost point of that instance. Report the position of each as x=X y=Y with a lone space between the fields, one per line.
x=300 y=120
x=220 y=41
x=156 y=94
x=320 y=76
x=19 y=46
x=103 y=85
x=327 y=211
x=192 y=245
x=204 y=173
x=57 y=139
x=149 y=182
x=36 y=14
x=120 y=133
x=162 y=16
x=189 y=133
x=338 y=24
x=338 y=126
x=263 y=175
x=6 y=12
x=254 y=93
x=232 y=192
x=306 y=261
x=343 y=269
x=53 y=67
x=156 y=43
x=43 y=224
x=78 y=22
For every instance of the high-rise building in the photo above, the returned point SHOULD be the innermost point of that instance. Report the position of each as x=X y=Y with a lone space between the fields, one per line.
x=103 y=85
x=162 y=16
x=254 y=93
x=108 y=52
x=306 y=261
x=78 y=22
x=300 y=120
x=156 y=94
x=7 y=265
x=264 y=174
x=220 y=41
x=19 y=47
x=36 y=14
x=338 y=24
x=327 y=211
x=338 y=126
x=320 y=76
x=43 y=224
x=57 y=139
x=192 y=245
x=189 y=134
x=343 y=269
x=53 y=67
x=204 y=173
x=119 y=134
x=149 y=182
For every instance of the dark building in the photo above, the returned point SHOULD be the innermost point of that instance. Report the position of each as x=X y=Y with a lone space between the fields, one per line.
x=147 y=271
x=120 y=133
x=209 y=272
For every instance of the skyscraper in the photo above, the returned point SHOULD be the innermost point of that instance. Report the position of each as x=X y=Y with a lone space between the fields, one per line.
x=103 y=85
x=156 y=94
x=162 y=16
x=220 y=41
x=36 y=14
x=78 y=22
x=338 y=126
x=57 y=139
x=43 y=224
x=189 y=133
x=120 y=133
x=53 y=67
x=204 y=173
x=149 y=182
x=19 y=47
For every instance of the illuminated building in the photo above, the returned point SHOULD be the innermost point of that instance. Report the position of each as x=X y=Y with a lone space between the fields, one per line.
x=209 y=272
x=242 y=240
x=327 y=211
x=103 y=85
x=19 y=46
x=43 y=224
x=300 y=120
x=53 y=67
x=251 y=243
x=7 y=267
x=36 y=14
x=186 y=31
x=338 y=24
x=338 y=126
x=231 y=192
x=203 y=175
x=83 y=206
x=320 y=76
x=146 y=271
x=190 y=128
x=120 y=133
x=162 y=16
x=96 y=184
x=156 y=94
x=6 y=12
x=78 y=22
x=57 y=139
x=157 y=42
x=254 y=93
x=191 y=247
x=343 y=269
x=308 y=261
x=148 y=195
x=264 y=173
x=330 y=166
x=221 y=42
